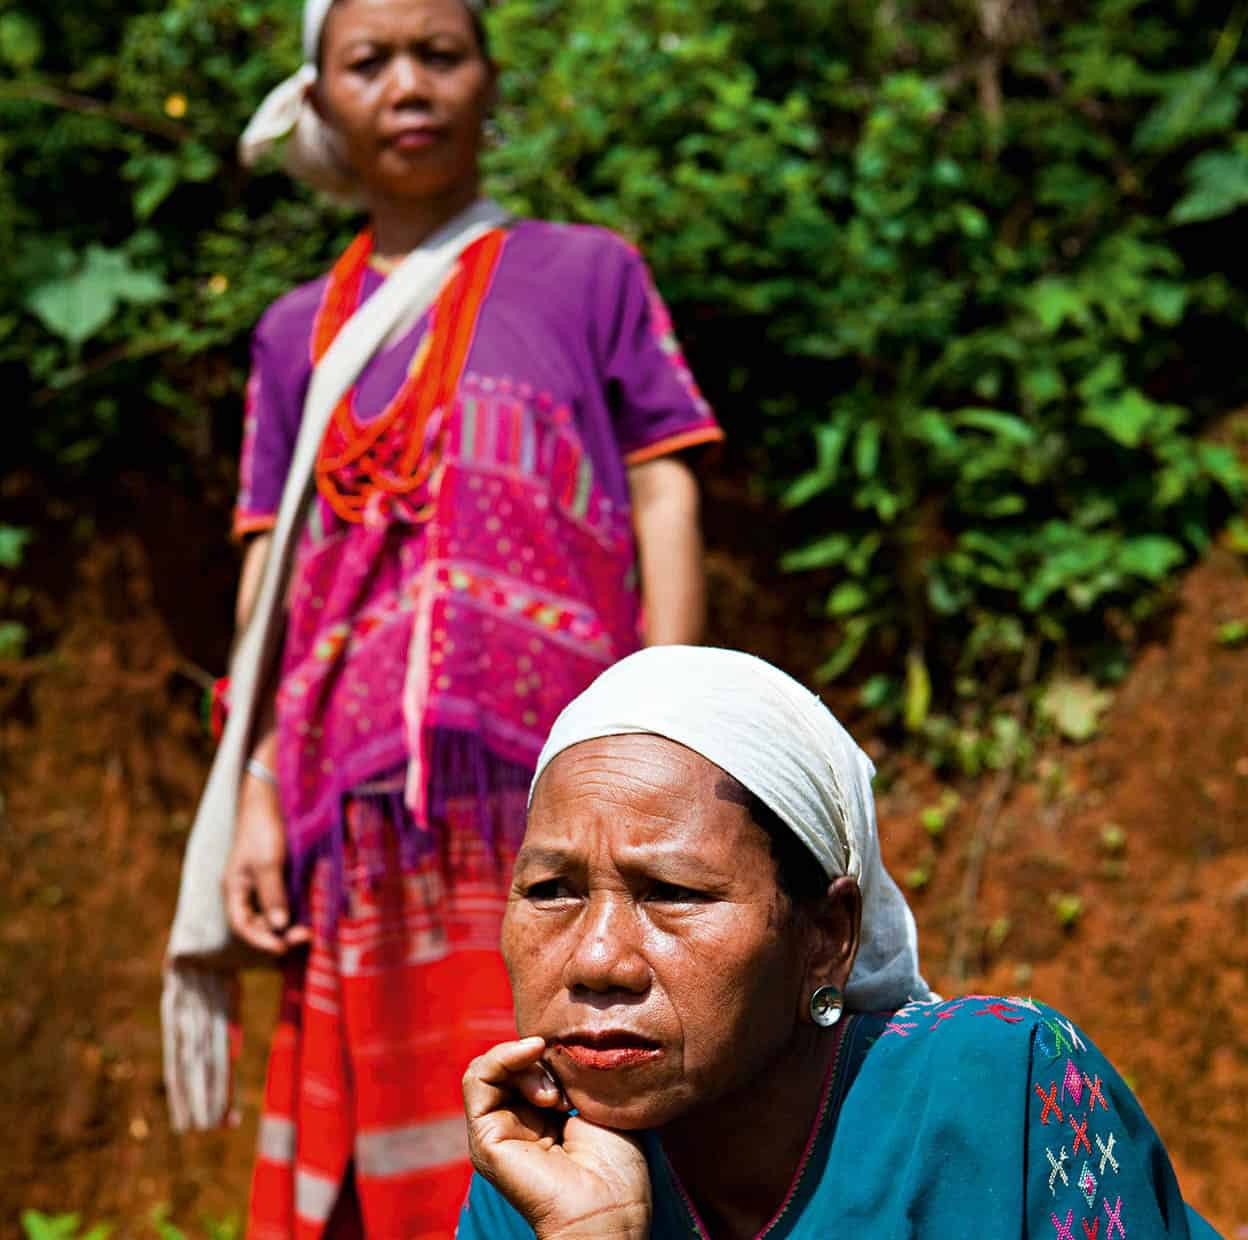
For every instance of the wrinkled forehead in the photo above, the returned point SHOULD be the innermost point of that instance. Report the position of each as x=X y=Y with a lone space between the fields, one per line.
x=317 y=15
x=651 y=785
x=633 y=761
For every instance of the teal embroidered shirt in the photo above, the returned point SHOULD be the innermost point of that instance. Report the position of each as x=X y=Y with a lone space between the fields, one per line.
x=978 y=1116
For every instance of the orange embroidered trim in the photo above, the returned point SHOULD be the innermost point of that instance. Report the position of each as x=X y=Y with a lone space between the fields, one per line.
x=675 y=443
x=371 y=466
x=244 y=525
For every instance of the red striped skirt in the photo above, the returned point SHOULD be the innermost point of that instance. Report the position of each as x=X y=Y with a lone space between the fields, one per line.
x=362 y=1131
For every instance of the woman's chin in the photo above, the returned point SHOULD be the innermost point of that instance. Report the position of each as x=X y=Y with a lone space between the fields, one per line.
x=631 y=1112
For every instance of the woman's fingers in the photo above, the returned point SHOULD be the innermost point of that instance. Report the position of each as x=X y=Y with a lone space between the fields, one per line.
x=493 y=1078
x=565 y=1176
x=518 y=1122
x=249 y=923
x=298 y=936
x=255 y=887
x=271 y=895
x=538 y=1086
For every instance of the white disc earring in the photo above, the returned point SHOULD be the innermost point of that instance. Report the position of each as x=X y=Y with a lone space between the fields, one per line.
x=826 y=1006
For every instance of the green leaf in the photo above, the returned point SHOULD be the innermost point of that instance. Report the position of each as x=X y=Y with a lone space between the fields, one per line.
x=21 y=44
x=1236 y=536
x=1151 y=556
x=1124 y=418
x=1007 y=426
x=971 y=220
x=1218 y=184
x=157 y=177
x=918 y=696
x=996 y=549
x=822 y=553
x=1055 y=302
x=1232 y=633
x=847 y=598
x=879 y=692
x=1067 y=908
x=76 y=306
x=112 y=267
x=867 y=450
x=830 y=441
x=1221 y=463
x=1196 y=103
x=1167 y=301
x=39 y=1226
x=1106 y=377
x=847 y=651
x=13 y=543
x=1042 y=384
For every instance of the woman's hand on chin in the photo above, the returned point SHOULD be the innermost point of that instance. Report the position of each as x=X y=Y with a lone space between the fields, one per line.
x=567 y=1177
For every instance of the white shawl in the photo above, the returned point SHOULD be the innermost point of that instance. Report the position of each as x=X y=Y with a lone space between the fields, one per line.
x=195 y=1002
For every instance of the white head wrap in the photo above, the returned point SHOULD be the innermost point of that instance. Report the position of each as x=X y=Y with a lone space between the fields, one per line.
x=778 y=740
x=312 y=152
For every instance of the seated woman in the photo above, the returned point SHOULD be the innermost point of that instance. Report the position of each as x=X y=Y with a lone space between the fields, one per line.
x=725 y=1029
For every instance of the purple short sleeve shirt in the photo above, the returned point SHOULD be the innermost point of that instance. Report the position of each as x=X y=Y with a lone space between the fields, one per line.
x=572 y=315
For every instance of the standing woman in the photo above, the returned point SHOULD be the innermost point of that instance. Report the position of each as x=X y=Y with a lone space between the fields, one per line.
x=497 y=496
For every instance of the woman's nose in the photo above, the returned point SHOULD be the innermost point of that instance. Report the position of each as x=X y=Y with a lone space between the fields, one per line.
x=608 y=954
x=409 y=82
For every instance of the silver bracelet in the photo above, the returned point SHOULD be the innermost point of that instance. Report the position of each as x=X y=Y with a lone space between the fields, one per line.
x=260 y=771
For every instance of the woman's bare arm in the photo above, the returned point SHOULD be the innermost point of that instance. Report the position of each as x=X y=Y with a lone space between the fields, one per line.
x=249 y=582
x=254 y=883
x=666 y=505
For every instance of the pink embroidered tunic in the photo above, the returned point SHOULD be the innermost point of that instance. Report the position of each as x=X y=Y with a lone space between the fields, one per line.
x=431 y=656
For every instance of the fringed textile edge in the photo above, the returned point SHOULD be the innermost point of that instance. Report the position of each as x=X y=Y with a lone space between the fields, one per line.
x=197 y=1008
x=461 y=766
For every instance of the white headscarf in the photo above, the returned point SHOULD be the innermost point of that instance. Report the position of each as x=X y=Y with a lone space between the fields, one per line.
x=778 y=740
x=312 y=152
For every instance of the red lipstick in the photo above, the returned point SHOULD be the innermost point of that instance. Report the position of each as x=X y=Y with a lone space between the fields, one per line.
x=606 y=1052
x=415 y=138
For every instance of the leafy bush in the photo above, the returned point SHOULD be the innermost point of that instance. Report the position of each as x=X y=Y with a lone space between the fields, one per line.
x=957 y=261
x=962 y=280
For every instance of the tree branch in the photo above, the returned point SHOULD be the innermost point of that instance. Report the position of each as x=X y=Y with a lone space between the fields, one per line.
x=54 y=97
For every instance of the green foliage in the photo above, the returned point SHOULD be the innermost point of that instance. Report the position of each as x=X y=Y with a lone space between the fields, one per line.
x=85 y=294
x=143 y=254
x=1232 y=633
x=12 y=545
x=13 y=634
x=37 y=1226
x=970 y=747
x=962 y=289
x=935 y=818
x=1067 y=908
x=954 y=301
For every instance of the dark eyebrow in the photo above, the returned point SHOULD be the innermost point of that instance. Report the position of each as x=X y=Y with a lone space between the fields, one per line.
x=553 y=858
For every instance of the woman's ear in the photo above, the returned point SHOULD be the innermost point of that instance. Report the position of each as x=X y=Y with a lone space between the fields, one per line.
x=833 y=928
x=316 y=97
